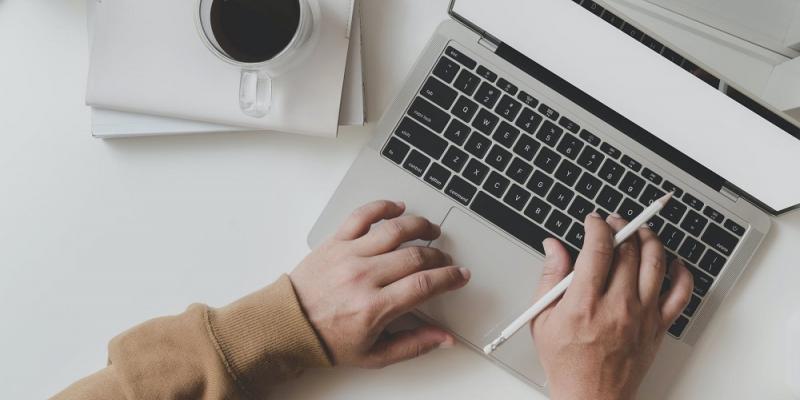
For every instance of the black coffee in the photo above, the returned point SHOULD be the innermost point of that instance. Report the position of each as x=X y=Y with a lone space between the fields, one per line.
x=254 y=30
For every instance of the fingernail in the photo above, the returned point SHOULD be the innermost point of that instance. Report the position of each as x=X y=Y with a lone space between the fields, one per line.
x=400 y=204
x=448 y=343
x=615 y=216
x=548 y=246
x=465 y=273
x=645 y=226
x=594 y=214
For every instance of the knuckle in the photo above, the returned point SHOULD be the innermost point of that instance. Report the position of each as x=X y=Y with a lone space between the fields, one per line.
x=423 y=284
x=415 y=256
x=655 y=261
x=394 y=228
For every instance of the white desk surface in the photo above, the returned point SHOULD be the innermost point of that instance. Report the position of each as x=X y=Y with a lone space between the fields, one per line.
x=98 y=236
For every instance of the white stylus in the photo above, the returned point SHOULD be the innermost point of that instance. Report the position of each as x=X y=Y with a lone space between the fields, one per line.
x=562 y=286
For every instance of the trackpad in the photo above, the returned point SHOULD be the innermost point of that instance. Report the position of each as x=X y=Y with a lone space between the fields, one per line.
x=504 y=279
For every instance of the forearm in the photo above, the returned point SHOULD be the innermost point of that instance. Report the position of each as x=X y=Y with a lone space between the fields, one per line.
x=237 y=351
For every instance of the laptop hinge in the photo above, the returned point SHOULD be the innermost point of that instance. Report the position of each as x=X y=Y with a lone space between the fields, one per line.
x=488 y=43
x=730 y=194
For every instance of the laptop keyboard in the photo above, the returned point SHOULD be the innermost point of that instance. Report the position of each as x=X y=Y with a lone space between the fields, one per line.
x=535 y=173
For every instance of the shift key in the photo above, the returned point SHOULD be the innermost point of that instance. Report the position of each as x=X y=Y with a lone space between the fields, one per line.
x=418 y=136
x=428 y=114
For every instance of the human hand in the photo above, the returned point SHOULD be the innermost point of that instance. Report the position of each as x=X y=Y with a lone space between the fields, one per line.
x=601 y=337
x=353 y=285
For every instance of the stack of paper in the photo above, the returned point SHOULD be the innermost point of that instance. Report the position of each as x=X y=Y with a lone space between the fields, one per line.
x=150 y=74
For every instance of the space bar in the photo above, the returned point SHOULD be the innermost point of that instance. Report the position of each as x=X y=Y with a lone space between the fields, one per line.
x=510 y=221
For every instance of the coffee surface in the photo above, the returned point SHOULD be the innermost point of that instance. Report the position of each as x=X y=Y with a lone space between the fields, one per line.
x=254 y=31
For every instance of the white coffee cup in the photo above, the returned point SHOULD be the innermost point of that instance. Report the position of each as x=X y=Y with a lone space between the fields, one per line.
x=264 y=38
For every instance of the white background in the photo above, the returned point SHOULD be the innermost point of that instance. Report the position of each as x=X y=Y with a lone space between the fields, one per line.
x=97 y=236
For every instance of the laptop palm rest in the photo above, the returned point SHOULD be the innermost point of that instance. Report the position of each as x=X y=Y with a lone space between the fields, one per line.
x=504 y=279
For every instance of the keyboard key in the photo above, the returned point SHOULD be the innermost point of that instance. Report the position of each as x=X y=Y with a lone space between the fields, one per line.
x=558 y=223
x=712 y=262
x=519 y=171
x=478 y=145
x=439 y=93
x=678 y=326
x=651 y=176
x=547 y=160
x=691 y=250
x=455 y=159
x=465 y=109
x=540 y=183
x=417 y=163
x=694 y=223
x=517 y=197
x=629 y=209
x=673 y=211
x=457 y=132
x=613 y=19
x=508 y=108
x=506 y=134
x=632 y=184
x=528 y=121
x=526 y=147
x=560 y=196
x=437 y=176
x=720 y=240
x=588 y=185
x=507 y=86
x=487 y=95
x=576 y=235
x=702 y=282
x=609 y=198
x=460 y=190
x=568 y=173
x=485 y=122
x=651 y=194
x=460 y=57
x=467 y=82
x=610 y=150
x=693 y=202
x=548 y=112
x=496 y=184
x=428 y=114
x=611 y=172
x=713 y=214
x=632 y=31
x=653 y=44
x=526 y=98
x=510 y=221
x=498 y=157
x=590 y=159
x=691 y=308
x=580 y=208
x=631 y=163
x=590 y=138
x=421 y=138
x=569 y=125
x=396 y=150
x=603 y=213
x=446 y=70
x=655 y=224
x=549 y=133
x=672 y=56
x=476 y=171
x=537 y=210
x=671 y=237
x=669 y=187
x=734 y=227
x=485 y=73
x=570 y=146
x=595 y=8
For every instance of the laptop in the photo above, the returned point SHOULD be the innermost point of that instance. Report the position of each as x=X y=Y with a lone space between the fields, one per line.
x=514 y=124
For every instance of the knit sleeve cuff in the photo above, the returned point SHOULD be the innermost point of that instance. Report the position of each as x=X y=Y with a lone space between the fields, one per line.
x=266 y=338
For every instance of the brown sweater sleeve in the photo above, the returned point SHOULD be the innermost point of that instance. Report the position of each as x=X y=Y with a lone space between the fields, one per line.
x=234 y=352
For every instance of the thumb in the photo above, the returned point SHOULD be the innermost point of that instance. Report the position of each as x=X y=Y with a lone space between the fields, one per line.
x=409 y=344
x=556 y=266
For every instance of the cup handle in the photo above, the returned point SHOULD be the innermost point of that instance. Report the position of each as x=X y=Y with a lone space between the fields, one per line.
x=255 y=93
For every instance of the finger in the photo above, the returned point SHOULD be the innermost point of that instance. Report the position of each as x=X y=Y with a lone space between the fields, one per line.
x=413 y=290
x=624 y=276
x=594 y=260
x=555 y=268
x=360 y=221
x=391 y=267
x=406 y=345
x=390 y=234
x=677 y=297
x=652 y=268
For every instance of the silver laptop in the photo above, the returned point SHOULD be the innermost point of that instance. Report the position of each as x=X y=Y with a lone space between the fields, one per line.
x=513 y=126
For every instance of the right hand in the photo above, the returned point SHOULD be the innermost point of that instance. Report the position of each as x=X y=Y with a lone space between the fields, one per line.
x=600 y=338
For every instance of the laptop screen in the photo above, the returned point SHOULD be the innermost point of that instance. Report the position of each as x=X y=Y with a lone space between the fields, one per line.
x=698 y=120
